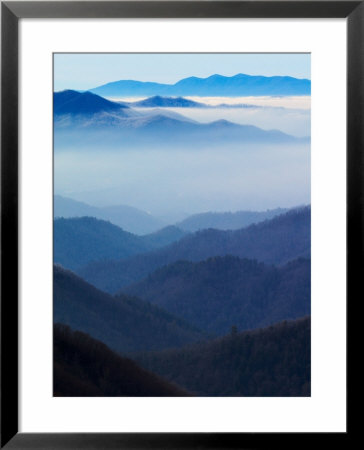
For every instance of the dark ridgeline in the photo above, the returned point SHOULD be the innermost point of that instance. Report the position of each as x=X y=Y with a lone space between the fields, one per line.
x=276 y=241
x=158 y=101
x=124 y=323
x=83 y=103
x=270 y=362
x=85 y=367
x=221 y=291
x=167 y=102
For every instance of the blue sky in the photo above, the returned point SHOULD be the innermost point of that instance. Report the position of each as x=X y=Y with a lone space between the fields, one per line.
x=86 y=71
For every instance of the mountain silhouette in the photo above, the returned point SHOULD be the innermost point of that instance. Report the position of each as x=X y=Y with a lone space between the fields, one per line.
x=276 y=241
x=227 y=220
x=86 y=120
x=124 y=323
x=214 y=85
x=226 y=290
x=171 y=102
x=85 y=367
x=79 y=241
x=85 y=103
x=126 y=217
x=269 y=362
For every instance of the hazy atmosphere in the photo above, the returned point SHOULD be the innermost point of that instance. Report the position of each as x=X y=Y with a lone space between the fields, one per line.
x=165 y=174
x=163 y=182
x=182 y=225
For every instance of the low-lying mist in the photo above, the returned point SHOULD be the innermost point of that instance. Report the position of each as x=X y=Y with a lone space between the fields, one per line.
x=296 y=122
x=174 y=180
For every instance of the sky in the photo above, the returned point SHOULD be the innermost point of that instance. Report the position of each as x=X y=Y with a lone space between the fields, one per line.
x=82 y=71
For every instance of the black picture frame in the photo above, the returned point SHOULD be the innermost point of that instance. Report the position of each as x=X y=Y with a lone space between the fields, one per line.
x=11 y=12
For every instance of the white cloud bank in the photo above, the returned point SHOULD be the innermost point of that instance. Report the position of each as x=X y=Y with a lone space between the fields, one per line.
x=294 y=102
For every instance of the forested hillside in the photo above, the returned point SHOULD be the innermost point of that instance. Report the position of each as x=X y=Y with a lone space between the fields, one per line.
x=272 y=362
x=81 y=240
x=224 y=291
x=276 y=241
x=124 y=323
x=85 y=367
x=163 y=237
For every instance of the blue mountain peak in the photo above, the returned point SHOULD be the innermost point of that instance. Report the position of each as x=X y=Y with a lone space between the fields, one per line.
x=74 y=102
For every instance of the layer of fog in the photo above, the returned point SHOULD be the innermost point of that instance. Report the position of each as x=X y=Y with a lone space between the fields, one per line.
x=291 y=102
x=175 y=181
x=296 y=122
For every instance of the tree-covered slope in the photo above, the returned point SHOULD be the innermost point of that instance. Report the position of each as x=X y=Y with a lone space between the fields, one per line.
x=224 y=291
x=81 y=240
x=163 y=237
x=123 y=323
x=85 y=367
x=276 y=241
x=270 y=362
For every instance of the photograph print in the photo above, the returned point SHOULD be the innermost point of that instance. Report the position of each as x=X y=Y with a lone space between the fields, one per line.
x=182 y=225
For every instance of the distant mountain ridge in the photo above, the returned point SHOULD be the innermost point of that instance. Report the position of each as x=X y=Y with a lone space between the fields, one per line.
x=180 y=102
x=127 y=217
x=102 y=122
x=214 y=85
x=227 y=220
x=166 y=102
x=85 y=103
x=275 y=241
x=92 y=122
